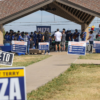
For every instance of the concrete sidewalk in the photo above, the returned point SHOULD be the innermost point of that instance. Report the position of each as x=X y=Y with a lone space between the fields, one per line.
x=44 y=71
x=86 y=61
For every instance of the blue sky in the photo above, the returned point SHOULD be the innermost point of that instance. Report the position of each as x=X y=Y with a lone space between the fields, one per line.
x=30 y=22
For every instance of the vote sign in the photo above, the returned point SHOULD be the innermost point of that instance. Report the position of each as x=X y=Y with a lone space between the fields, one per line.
x=96 y=45
x=43 y=46
x=12 y=84
x=6 y=58
x=43 y=29
x=77 y=48
x=19 y=46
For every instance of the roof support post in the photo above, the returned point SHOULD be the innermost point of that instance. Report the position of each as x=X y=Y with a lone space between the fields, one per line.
x=1 y=34
x=86 y=28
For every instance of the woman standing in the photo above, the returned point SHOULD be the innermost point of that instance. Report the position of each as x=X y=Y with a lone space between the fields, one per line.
x=46 y=38
x=63 y=41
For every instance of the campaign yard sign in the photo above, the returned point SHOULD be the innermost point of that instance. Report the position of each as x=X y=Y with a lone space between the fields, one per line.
x=19 y=47
x=6 y=58
x=96 y=45
x=43 y=46
x=77 y=48
x=44 y=28
x=12 y=84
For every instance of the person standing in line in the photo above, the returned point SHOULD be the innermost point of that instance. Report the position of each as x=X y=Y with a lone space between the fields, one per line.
x=32 y=44
x=91 y=39
x=19 y=37
x=35 y=39
x=70 y=36
x=31 y=35
x=46 y=38
x=27 y=39
x=7 y=37
x=10 y=36
x=67 y=35
x=63 y=41
x=83 y=35
x=76 y=36
x=58 y=37
x=13 y=36
x=39 y=38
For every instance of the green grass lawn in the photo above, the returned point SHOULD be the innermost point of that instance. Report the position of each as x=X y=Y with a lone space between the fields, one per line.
x=26 y=60
x=94 y=56
x=79 y=82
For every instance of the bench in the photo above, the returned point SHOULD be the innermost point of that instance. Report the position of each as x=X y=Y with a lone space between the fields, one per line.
x=37 y=51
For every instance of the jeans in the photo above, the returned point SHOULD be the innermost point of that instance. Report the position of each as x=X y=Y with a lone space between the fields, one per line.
x=28 y=46
x=83 y=39
x=91 y=45
x=33 y=48
x=49 y=48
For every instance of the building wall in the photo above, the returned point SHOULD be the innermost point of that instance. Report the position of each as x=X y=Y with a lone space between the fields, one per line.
x=9 y=7
x=90 y=4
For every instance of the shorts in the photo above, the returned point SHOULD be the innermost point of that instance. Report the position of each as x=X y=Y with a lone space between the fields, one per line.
x=57 y=42
x=62 y=43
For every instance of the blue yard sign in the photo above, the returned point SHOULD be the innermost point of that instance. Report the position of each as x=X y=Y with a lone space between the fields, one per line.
x=44 y=28
x=19 y=47
x=43 y=46
x=96 y=45
x=12 y=84
x=77 y=48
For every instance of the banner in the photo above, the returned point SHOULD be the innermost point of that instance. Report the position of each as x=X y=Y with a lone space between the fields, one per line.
x=6 y=58
x=96 y=45
x=44 y=28
x=77 y=48
x=19 y=46
x=43 y=46
x=12 y=84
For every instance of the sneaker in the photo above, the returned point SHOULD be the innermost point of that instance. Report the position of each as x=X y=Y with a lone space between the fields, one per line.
x=56 y=51
x=44 y=53
x=48 y=53
x=59 y=51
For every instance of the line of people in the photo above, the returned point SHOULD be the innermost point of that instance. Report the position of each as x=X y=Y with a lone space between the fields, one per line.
x=62 y=37
x=33 y=39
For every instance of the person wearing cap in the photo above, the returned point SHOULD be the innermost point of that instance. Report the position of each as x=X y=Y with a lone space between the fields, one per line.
x=91 y=39
x=76 y=36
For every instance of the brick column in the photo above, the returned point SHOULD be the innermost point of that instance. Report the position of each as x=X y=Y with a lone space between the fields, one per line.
x=1 y=34
x=85 y=26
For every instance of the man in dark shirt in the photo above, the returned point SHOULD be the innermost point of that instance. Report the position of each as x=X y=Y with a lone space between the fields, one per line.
x=46 y=38
x=39 y=36
x=32 y=44
x=31 y=36
x=35 y=39
x=70 y=36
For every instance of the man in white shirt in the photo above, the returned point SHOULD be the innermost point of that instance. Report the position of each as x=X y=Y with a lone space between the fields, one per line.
x=91 y=39
x=58 y=37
